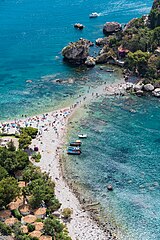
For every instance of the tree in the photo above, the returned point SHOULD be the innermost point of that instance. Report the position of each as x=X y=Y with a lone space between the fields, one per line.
x=4 y=229
x=63 y=236
x=8 y=159
x=32 y=132
x=13 y=161
x=11 y=146
x=3 y=173
x=52 y=226
x=24 y=141
x=22 y=159
x=154 y=18
x=31 y=173
x=138 y=61
x=9 y=190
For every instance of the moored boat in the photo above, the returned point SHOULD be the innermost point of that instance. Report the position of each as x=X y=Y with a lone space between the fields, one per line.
x=93 y=15
x=82 y=135
x=110 y=70
x=74 y=148
x=73 y=152
x=77 y=143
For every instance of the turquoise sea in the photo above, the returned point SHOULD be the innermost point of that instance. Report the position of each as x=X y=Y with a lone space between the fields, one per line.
x=124 y=132
x=32 y=34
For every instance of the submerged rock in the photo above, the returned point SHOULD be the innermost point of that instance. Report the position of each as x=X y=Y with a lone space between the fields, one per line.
x=77 y=52
x=111 y=27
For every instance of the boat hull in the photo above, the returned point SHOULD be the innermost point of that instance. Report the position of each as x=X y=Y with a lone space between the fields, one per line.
x=75 y=144
x=82 y=136
x=71 y=152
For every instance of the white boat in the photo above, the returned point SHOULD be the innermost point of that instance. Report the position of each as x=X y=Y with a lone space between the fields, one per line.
x=94 y=15
x=82 y=135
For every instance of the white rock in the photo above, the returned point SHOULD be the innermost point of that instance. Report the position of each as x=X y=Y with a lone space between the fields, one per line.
x=156 y=92
x=139 y=93
x=138 y=87
x=148 y=87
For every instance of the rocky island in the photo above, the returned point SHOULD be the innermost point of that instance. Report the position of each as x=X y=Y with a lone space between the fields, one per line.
x=136 y=47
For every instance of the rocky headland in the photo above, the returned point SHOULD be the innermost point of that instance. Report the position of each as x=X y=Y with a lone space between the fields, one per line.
x=135 y=47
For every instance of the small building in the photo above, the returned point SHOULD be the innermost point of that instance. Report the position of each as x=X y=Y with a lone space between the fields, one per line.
x=35 y=234
x=38 y=226
x=5 y=214
x=25 y=209
x=40 y=212
x=11 y=221
x=122 y=52
x=28 y=219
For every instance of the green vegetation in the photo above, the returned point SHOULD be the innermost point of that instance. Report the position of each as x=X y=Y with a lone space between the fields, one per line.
x=67 y=212
x=36 y=157
x=13 y=160
x=4 y=229
x=11 y=146
x=3 y=173
x=141 y=38
x=27 y=134
x=54 y=228
x=17 y=214
x=30 y=131
x=30 y=227
x=9 y=190
x=39 y=188
x=137 y=61
x=24 y=141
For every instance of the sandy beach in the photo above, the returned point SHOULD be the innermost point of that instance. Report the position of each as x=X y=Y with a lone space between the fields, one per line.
x=52 y=128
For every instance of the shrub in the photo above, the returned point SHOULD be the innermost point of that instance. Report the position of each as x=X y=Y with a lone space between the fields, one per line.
x=4 y=229
x=17 y=214
x=52 y=226
x=67 y=212
x=11 y=146
x=63 y=236
x=30 y=227
x=3 y=173
x=36 y=157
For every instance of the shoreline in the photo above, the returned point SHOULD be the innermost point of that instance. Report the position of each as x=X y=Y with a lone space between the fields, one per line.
x=50 y=142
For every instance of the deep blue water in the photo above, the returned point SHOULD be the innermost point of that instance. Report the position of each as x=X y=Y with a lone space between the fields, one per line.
x=32 y=34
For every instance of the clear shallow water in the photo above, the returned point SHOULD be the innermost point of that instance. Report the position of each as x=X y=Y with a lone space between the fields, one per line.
x=32 y=34
x=122 y=149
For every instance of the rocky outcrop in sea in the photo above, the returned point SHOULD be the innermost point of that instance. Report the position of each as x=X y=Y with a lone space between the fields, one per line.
x=111 y=27
x=77 y=52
